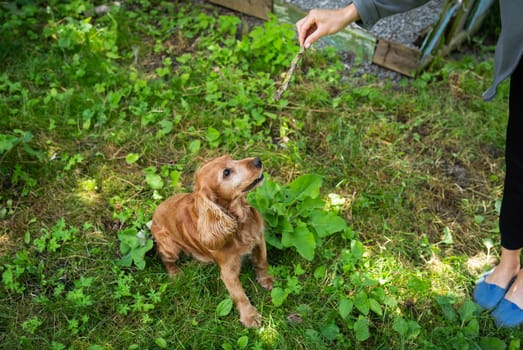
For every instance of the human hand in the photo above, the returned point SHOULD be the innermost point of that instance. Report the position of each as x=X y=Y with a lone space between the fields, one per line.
x=319 y=23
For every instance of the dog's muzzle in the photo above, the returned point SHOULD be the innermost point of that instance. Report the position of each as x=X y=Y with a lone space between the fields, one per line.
x=255 y=183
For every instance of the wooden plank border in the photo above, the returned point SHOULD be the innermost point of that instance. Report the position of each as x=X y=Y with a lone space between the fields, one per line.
x=256 y=8
x=397 y=57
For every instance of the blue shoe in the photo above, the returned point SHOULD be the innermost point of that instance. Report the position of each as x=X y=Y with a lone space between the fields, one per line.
x=508 y=314
x=488 y=295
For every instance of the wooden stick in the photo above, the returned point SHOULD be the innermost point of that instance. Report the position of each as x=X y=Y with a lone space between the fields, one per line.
x=285 y=84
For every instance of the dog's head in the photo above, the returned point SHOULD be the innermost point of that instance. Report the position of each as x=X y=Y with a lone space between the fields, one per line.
x=227 y=179
x=220 y=188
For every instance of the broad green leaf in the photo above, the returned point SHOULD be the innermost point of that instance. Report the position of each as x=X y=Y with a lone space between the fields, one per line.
x=131 y=158
x=309 y=204
x=492 y=343
x=274 y=241
x=96 y=347
x=285 y=225
x=330 y=331
x=8 y=277
x=375 y=307
x=175 y=177
x=32 y=152
x=265 y=195
x=154 y=181
x=133 y=249
x=446 y=304
x=57 y=345
x=302 y=239
x=327 y=223
x=161 y=343
x=224 y=307
x=466 y=311
x=472 y=328
x=259 y=200
x=479 y=219
x=280 y=208
x=357 y=249
x=166 y=127
x=213 y=137
x=361 y=329
x=406 y=328
x=278 y=296
x=138 y=254
x=126 y=260
x=345 y=307
x=414 y=328
x=298 y=270
x=348 y=233
x=320 y=272
x=361 y=301
x=212 y=134
x=243 y=341
x=27 y=236
x=287 y=239
x=194 y=146
x=7 y=142
x=305 y=185
x=515 y=344
x=26 y=136
x=400 y=325
x=389 y=301
x=313 y=336
x=272 y=219
x=128 y=237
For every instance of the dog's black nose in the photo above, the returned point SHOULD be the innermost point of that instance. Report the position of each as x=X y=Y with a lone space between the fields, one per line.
x=257 y=162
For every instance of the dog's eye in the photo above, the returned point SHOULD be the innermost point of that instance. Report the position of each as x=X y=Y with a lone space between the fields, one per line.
x=226 y=172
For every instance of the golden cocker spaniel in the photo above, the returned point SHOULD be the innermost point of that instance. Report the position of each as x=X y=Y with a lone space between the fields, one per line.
x=216 y=223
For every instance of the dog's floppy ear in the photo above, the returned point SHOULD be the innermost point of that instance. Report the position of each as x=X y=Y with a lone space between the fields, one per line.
x=215 y=227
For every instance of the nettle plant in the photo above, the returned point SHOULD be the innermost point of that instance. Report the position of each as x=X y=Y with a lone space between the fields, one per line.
x=296 y=215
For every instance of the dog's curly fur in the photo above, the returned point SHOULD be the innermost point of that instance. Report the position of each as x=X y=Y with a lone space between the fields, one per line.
x=216 y=223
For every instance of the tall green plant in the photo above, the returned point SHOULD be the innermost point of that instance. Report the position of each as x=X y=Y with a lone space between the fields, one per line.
x=296 y=214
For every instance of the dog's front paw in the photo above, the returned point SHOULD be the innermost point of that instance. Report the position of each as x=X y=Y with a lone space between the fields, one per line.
x=266 y=282
x=251 y=318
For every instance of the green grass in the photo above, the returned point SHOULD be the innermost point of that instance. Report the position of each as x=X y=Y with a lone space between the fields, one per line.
x=103 y=116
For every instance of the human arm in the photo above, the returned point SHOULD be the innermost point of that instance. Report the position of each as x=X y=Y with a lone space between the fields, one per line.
x=323 y=22
x=319 y=23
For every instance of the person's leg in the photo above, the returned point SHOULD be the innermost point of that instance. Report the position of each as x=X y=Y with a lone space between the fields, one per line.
x=511 y=216
x=507 y=268
x=492 y=287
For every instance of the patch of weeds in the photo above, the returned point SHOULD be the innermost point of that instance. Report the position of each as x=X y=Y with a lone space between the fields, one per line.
x=464 y=327
x=51 y=240
x=130 y=299
x=133 y=246
x=22 y=138
x=18 y=274
x=296 y=212
x=18 y=175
